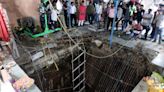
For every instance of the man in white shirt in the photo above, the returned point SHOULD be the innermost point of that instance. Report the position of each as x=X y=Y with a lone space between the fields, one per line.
x=98 y=13
x=54 y=16
x=73 y=14
x=146 y=22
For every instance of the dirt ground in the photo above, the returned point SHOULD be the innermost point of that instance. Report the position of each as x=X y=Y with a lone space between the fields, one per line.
x=21 y=8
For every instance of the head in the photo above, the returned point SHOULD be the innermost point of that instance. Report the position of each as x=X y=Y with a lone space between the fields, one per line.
x=90 y=3
x=112 y=5
x=127 y=5
x=82 y=3
x=161 y=12
x=130 y=22
x=108 y=5
x=72 y=3
x=142 y=6
x=149 y=11
x=101 y=3
x=131 y=4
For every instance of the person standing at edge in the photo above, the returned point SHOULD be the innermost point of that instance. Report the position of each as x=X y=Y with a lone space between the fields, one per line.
x=82 y=14
x=126 y=17
x=90 y=12
x=65 y=8
x=119 y=16
x=159 y=26
x=73 y=14
x=146 y=22
x=110 y=16
x=153 y=25
x=98 y=8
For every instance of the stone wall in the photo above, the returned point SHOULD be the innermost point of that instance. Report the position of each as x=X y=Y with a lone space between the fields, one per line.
x=21 y=8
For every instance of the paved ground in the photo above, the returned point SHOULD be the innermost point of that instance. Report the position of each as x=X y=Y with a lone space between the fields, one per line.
x=123 y=41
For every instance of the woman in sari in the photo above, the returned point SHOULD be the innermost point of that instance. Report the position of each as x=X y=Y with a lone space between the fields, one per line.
x=82 y=14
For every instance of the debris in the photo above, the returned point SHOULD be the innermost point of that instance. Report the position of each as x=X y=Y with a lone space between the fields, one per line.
x=23 y=83
x=37 y=56
x=98 y=43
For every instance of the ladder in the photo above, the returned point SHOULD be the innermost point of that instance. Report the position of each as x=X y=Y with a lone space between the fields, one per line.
x=78 y=72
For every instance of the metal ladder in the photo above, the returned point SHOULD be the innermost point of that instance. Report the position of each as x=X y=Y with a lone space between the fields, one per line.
x=78 y=72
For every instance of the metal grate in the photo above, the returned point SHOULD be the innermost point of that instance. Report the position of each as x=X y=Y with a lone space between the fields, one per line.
x=78 y=72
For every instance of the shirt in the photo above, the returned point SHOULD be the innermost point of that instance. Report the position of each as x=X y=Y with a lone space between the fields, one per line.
x=98 y=8
x=54 y=15
x=90 y=9
x=132 y=10
x=73 y=9
x=146 y=21
x=111 y=13
x=160 y=21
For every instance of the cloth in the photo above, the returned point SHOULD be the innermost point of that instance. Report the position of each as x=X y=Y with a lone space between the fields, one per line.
x=54 y=15
x=90 y=9
x=82 y=12
x=111 y=13
x=146 y=21
x=73 y=9
x=119 y=13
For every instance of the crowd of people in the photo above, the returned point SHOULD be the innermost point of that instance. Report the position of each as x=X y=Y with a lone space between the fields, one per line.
x=130 y=17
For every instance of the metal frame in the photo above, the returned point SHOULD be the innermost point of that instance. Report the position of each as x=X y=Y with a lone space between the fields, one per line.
x=81 y=73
